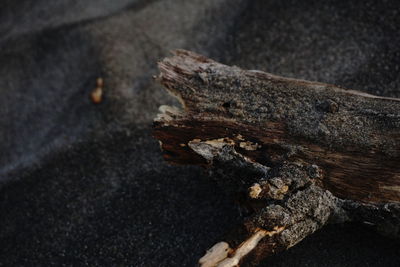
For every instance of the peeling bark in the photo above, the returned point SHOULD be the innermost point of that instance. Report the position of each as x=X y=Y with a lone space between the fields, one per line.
x=302 y=153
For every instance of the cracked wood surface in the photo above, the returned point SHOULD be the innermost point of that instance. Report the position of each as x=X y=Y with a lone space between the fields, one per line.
x=301 y=153
x=354 y=137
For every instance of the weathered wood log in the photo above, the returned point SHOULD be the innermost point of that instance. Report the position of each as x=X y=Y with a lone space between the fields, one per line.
x=301 y=153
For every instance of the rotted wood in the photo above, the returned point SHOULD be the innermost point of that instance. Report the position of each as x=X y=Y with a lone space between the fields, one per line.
x=300 y=153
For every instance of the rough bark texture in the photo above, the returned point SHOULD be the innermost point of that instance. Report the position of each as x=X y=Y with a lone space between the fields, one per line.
x=299 y=153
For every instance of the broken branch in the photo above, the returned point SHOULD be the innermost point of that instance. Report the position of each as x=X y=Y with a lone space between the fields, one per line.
x=304 y=153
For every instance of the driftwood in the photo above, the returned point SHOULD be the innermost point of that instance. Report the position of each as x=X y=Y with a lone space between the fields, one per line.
x=299 y=154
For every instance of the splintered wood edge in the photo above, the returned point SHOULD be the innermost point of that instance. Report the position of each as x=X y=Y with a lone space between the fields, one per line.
x=221 y=255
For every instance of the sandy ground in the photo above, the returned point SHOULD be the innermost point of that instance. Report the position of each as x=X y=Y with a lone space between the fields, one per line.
x=85 y=184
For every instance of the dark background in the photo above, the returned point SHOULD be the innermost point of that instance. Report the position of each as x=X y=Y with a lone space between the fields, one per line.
x=85 y=184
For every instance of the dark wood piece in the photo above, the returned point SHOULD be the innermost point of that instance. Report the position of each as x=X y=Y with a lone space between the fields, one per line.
x=301 y=153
